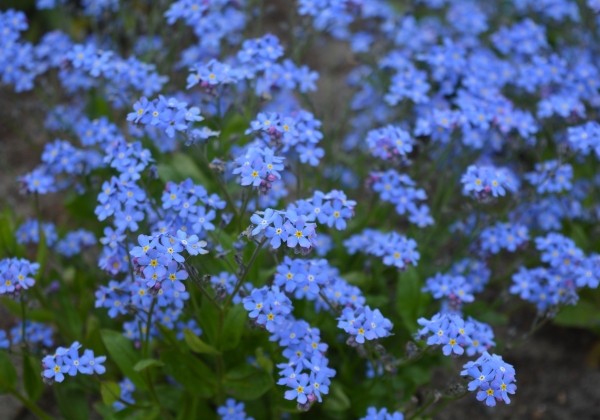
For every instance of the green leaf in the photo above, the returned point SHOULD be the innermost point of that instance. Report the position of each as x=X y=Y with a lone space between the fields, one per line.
x=337 y=400
x=233 y=327
x=247 y=382
x=32 y=377
x=8 y=243
x=146 y=363
x=8 y=373
x=122 y=353
x=190 y=372
x=584 y=315
x=169 y=336
x=234 y=126
x=12 y=305
x=196 y=344
x=194 y=408
x=263 y=361
x=40 y=315
x=72 y=402
x=110 y=392
x=357 y=278
x=69 y=319
x=169 y=396
x=130 y=413
x=409 y=297
x=208 y=319
x=180 y=167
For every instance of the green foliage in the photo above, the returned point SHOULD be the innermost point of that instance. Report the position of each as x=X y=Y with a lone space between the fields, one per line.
x=247 y=382
x=110 y=392
x=8 y=373
x=191 y=372
x=31 y=377
x=196 y=344
x=122 y=353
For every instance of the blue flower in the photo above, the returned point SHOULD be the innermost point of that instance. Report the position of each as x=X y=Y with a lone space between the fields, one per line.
x=382 y=414
x=67 y=360
x=16 y=274
x=233 y=410
x=491 y=377
x=300 y=388
x=299 y=233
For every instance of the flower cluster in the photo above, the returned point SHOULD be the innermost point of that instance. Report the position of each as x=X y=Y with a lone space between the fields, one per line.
x=382 y=414
x=306 y=372
x=304 y=278
x=158 y=283
x=287 y=227
x=399 y=189
x=508 y=236
x=258 y=167
x=551 y=177
x=233 y=410
x=491 y=377
x=364 y=323
x=316 y=280
x=36 y=334
x=126 y=395
x=16 y=274
x=394 y=249
x=407 y=83
x=133 y=296
x=158 y=258
x=268 y=307
x=170 y=116
x=125 y=201
x=585 y=138
x=568 y=269
x=454 y=288
x=439 y=102
x=297 y=134
x=259 y=58
x=332 y=209
x=475 y=272
x=74 y=242
x=69 y=361
x=189 y=207
x=223 y=20
x=29 y=232
x=389 y=142
x=485 y=181
x=455 y=335
x=213 y=73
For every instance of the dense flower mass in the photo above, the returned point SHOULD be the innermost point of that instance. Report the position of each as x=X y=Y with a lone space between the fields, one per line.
x=393 y=248
x=241 y=226
x=491 y=377
x=456 y=335
x=485 y=181
x=16 y=275
x=382 y=414
x=68 y=361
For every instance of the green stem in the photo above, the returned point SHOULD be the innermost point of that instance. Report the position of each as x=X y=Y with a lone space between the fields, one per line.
x=244 y=274
x=245 y=202
x=145 y=355
x=447 y=400
x=434 y=399
x=205 y=293
x=145 y=348
x=23 y=326
x=30 y=405
x=129 y=262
